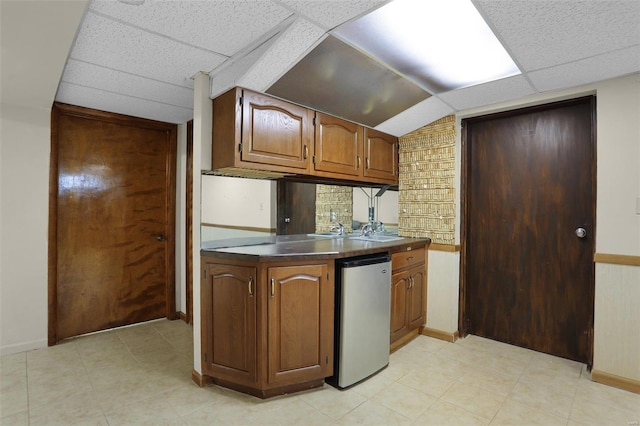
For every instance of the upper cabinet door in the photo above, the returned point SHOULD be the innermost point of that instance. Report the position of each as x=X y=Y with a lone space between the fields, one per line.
x=274 y=132
x=338 y=145
x=381 y=155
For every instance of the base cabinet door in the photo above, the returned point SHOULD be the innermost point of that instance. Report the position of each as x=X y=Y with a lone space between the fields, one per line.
x=408 y=293
x=415 y=305
x=229 y=322
x=399 y=292
x=300 y=324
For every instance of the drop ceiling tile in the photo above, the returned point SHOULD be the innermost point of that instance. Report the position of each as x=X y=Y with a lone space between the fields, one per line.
x=327 y=15
x=415 y=117
x=220 y=26
x=542 y=34
x=106 y=79
x=590 y=70
x=488 y=93
x=109 y=43
x=121 y=104
x=229 y=74
x=289 y=47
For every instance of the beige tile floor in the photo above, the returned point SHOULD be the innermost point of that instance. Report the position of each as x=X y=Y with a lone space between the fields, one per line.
x=142 y=375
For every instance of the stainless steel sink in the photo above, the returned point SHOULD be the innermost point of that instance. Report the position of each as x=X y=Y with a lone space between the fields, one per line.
x=327 y=235
x=377 y=238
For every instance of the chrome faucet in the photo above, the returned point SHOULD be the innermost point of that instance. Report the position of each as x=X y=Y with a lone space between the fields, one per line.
x=367 y=229
x=338 y=229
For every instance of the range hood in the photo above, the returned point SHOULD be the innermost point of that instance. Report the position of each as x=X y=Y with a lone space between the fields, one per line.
x=339 y=80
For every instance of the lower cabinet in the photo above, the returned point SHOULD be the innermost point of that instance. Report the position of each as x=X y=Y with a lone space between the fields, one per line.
x=228 y=307
x=267 y=328
x=408 y=293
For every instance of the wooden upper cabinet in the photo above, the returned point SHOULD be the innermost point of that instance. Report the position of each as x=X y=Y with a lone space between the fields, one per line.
x=380 y=155
x=338 y=145
x=258 y=132
x=255 y=131
x=274 y=132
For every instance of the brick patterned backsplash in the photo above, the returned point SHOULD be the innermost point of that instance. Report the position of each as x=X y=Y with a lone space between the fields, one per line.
x=427 y=191
x=337 y=199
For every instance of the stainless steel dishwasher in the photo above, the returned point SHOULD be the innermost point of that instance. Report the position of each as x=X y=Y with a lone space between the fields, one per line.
x=362 y=327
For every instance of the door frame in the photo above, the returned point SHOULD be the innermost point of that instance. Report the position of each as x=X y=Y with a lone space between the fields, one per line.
x=465 y=180
x=60 y=109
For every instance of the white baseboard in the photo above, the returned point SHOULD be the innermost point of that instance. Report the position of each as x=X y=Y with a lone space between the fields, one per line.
x=23 y=347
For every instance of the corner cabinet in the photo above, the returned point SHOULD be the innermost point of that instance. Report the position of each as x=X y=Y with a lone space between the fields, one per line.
x=380 y=156
x=255 y=133
x=267 y=328
x=408 y=295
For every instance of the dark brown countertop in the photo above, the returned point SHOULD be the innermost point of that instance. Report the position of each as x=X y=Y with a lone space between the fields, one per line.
x=302 y=247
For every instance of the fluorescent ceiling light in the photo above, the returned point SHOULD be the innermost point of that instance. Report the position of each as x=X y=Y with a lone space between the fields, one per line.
x=441 y=45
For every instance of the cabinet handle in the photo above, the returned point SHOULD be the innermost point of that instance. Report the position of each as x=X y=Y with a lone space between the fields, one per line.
x=409 y=259
x=358 y=162
x=368 y=163
x=306 y=152
x=273 y=287
x=410 y=282
x=251 y=286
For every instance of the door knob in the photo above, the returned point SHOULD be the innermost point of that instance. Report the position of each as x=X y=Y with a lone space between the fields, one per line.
x=160 y=237
x=287 y=219
x=581 y=232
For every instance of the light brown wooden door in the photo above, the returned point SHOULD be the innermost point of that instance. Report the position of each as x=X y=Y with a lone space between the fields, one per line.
x=399 y=290
x=275 y=132
x=229 y=322
x=380 y=155
x=417 y=289
x=338 y=145
x=530 y=185
x=300 y=318
x=114 y=221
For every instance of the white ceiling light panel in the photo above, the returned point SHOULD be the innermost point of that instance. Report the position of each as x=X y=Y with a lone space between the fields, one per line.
x=439 y=45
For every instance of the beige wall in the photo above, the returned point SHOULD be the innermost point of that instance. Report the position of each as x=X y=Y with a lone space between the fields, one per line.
x=24 y=179
x=616 y=339
x=238 y=202
x=33 y=33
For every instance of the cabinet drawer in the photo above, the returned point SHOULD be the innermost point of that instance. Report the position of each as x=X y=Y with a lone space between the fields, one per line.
x=407 y=259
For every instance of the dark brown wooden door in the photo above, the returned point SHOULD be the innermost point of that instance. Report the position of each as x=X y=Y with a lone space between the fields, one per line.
x=300 y=318
x=229 y=322
x=115 y=220
x=296 y=208
x=529 y=278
